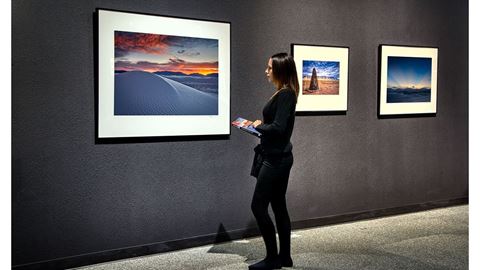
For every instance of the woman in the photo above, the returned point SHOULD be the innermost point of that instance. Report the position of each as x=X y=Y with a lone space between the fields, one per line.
x=276 y=151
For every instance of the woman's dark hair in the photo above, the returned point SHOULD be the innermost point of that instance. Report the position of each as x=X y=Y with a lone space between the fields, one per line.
x=284 y=72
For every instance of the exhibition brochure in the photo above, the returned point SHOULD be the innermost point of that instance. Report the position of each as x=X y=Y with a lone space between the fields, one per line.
x=246 y=125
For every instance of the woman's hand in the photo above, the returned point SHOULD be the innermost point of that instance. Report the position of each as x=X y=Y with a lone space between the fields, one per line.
x=256 y=123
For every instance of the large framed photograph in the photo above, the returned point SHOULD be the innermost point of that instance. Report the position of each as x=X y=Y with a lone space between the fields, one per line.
x=162 y=76
x=408 y=80
x=323 y=77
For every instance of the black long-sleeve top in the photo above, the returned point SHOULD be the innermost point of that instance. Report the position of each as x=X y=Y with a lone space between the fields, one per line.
x=278 y=121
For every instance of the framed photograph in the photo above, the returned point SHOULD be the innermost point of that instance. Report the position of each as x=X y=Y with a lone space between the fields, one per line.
x=323 y=77
x=162 y=76
x=408 y=80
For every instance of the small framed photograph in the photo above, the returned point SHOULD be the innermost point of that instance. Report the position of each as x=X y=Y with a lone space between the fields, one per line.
x=408 y=80
x=162 y=76
x=323 y=77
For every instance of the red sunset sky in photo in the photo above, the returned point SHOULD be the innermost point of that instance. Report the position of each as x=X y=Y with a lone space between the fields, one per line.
x=151 y=53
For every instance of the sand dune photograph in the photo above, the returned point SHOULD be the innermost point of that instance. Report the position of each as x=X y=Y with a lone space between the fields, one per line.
x=165 y=75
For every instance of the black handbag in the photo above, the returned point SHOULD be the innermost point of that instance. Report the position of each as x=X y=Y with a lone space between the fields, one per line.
x=257 y=161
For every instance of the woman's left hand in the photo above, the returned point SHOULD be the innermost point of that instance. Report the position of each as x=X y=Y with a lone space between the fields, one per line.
x=256 y=123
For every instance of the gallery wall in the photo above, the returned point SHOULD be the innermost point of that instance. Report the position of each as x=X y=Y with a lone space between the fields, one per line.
x=75 y=195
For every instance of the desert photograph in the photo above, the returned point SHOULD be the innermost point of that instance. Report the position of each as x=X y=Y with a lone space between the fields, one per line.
x=320 y=78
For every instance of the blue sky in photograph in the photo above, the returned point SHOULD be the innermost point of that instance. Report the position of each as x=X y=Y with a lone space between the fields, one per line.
x=324 y=68
x=409 y=72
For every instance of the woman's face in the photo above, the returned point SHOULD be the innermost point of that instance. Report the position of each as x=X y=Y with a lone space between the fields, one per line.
x=268 y=71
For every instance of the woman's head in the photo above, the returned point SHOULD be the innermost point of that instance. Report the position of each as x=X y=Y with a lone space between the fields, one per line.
x=281 y=71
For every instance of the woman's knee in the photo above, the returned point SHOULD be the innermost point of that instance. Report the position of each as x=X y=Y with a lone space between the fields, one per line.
x=258 y=207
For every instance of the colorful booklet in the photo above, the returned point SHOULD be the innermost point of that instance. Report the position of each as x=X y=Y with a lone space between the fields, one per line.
x=246 y=125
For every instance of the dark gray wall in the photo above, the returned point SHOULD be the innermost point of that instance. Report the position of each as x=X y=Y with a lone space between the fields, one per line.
x=73 y=196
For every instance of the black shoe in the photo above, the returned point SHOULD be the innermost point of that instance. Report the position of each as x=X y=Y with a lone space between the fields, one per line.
x=266 y=264
x=287 y=261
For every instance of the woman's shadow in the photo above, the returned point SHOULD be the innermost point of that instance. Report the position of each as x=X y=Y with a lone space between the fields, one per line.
x=250 y=246
x=224 y=244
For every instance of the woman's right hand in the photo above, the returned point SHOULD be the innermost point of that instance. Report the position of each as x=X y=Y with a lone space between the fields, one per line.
x=256 y=123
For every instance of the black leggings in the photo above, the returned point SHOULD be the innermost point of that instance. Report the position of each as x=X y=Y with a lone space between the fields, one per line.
x=272 y=182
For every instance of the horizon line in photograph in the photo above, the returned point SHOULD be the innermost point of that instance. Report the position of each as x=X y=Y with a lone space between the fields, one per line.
x=168 y=73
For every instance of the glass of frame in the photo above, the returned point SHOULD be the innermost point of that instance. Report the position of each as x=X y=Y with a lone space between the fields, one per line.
x=162 y=76
x=323 y=77
x=408 y=80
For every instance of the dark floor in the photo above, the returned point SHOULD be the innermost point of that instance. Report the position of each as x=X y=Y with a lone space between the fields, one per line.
x=435 y=239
